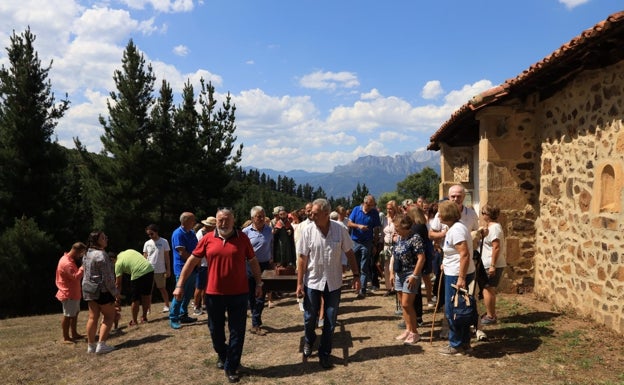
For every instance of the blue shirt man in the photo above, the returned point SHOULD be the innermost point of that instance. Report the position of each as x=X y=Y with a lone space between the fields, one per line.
x=183 y=242
x=261 y=236
x=364 y=222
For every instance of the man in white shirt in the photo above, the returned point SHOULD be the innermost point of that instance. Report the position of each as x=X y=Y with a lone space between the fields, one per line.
x=156 y=250
x=319 y=275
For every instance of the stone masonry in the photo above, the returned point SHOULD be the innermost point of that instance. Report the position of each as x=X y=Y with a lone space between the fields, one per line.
x=555 y=167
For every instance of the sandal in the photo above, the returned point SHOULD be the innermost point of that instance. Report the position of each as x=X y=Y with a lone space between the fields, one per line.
x=132 y=323
x=144 y=320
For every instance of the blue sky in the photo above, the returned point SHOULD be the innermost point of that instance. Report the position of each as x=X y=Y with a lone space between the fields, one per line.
x=316 y=83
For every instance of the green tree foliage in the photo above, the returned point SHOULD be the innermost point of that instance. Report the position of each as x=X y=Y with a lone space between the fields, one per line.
x=357 y=196
x=31 y=164
x=387 y=197
x=127 y=133
x=424 y=183
x=163 y=156
x=28 y=257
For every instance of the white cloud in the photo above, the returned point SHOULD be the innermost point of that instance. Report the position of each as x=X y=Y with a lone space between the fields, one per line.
x=373 y=94
x=432 y=89
x=329 y=80
x=181 y=50
x=161 y=5
x=81 y=120
x=573 y=3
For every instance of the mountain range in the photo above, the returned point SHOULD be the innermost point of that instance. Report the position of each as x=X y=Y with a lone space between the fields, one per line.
x=379 y=173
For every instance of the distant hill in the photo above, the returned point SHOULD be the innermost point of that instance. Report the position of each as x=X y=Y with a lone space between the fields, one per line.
x=379 y=173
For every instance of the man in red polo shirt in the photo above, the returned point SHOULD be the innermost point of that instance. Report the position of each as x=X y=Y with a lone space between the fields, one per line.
x=227 y=251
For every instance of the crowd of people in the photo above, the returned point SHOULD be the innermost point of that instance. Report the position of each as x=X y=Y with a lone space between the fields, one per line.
x=415 y=247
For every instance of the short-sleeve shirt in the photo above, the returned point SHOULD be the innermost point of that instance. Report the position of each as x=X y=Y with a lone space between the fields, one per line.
x=406 y=252
x=188 y=240
x=155 y=250
x=99 y=268
x=132 y=262
x=261 y=241
x=370 y=219
x=495 y=231
x=324 y=255
x=68 y=279
x=456 y=234
x=227 y=262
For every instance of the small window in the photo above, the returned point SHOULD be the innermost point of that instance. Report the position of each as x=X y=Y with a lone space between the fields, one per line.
x=608 y=193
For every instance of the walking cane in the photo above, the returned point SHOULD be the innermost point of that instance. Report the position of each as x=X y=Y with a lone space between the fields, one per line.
x=435 y=310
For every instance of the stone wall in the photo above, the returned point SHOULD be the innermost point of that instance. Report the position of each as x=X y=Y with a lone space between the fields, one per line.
x=509 y=179
x=555 y=167
x=579 y=259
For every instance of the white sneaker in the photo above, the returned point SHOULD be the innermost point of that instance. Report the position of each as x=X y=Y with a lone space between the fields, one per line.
x=165 y=309
x=481 y=336
x=102 y=348
x=91 y=348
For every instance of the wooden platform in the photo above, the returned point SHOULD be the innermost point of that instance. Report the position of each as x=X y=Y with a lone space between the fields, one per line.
x=274 y=282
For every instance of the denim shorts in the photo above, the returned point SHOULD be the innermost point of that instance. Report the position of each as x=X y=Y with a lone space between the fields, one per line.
x=401 y=281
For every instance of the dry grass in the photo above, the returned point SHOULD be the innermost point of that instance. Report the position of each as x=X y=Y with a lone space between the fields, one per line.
x=530 y=345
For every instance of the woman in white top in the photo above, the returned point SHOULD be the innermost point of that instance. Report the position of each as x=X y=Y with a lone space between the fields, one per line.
x=389 y=236
x=493 y=258
x=459 y=271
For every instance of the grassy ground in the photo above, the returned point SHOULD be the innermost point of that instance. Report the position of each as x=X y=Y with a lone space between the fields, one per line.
x=531 y=344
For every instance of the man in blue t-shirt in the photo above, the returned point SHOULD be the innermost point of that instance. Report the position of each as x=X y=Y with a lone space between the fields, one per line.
x=183 y=242
x=365 y=225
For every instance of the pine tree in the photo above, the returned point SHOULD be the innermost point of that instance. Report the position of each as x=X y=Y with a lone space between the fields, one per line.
x=31 y=163
x=127 y=133
x=162 y=154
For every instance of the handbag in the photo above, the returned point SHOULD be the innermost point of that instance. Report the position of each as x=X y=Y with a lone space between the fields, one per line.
x=463 y=308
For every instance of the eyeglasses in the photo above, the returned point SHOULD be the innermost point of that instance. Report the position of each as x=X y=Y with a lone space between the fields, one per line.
x=484 y=213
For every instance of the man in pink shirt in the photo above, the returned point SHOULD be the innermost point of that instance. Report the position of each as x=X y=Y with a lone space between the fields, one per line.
x=68 y=282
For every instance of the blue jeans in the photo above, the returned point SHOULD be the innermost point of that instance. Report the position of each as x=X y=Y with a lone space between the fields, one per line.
x=236 y=308
x=363 y=255
x=458 y=336
x=256 y=304
x=179 y=309
x=311 y=307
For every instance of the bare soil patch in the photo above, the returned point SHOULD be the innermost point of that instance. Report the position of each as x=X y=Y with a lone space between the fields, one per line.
x=531 y=344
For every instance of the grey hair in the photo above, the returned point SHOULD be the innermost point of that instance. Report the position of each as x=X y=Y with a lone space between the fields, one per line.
x=227 y=210
x=323 y=204
x=255 y=210
x=463 y=189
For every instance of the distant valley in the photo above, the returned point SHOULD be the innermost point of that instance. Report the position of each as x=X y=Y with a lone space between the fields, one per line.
x=379 y=173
